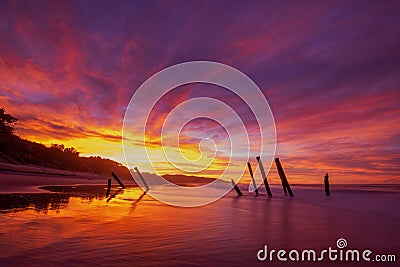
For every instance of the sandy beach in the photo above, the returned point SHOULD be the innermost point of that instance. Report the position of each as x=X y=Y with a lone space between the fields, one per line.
x=19 y=182
x=199 y=133
x=76 y=225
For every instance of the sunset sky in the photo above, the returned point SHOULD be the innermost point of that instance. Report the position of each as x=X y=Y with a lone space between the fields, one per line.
x=330 y=71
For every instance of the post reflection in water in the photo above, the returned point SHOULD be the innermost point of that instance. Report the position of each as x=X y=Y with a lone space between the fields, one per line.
x=76 y=226
x=60 y=196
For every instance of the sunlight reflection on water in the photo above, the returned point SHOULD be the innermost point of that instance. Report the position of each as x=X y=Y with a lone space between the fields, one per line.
x=70 y=227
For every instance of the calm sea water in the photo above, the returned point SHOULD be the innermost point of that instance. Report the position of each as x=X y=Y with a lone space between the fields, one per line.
x=79 y=226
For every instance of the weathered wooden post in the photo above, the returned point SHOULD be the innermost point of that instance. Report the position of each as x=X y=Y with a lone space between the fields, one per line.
x=252 y=177
x=117 y=179
x=236 y=188
x=142 y=178
x=264 y=176
x=283 y=183
x=326 y=182
x=108 y=187
x=283 y=177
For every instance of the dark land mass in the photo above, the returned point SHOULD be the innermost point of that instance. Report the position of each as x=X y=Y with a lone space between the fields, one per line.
x=21 y=152
x=187 y=180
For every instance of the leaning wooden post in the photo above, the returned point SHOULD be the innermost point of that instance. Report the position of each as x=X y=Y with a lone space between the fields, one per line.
x=117 y=179
x=283 y=177
x=282 y=180
x=142 y=178
x=326 y=182
x=283 y=183
x=236 y=188
x=108 y=187
x=252 y=178
x=264 y=176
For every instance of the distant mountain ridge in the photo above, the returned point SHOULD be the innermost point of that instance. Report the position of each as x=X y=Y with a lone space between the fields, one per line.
x=185 y=179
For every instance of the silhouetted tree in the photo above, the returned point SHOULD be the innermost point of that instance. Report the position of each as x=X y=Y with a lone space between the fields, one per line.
x=6 y=123
x=16 y=150
x=71 y=151
x=57 y=147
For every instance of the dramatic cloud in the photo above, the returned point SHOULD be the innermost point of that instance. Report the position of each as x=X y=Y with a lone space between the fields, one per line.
x=330 y=71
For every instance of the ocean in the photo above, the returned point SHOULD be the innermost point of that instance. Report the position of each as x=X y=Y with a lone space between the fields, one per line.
x=79 y=226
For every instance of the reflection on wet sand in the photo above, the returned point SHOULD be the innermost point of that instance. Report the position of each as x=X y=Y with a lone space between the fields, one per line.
x=133 y=229
x=134 y=203
x=84 y=191
x=58 y=198
x=38 y=202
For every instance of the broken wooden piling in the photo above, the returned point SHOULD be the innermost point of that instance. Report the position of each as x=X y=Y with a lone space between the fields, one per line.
x=264 y=176
x=236 y=188
x=282 y=182
x=326 y=182
x=108 y=187
x=117 y=179
x=142 y=178
x=285 y=182
x=283 y=185
x=252 y=178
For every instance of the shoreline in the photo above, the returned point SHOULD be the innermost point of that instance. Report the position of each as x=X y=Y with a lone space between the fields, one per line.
x=133 y=227
x=29 y=179
x=13 y=182
x=35 y=169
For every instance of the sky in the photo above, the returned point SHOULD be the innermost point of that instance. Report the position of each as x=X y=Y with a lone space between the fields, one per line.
x=330 y=71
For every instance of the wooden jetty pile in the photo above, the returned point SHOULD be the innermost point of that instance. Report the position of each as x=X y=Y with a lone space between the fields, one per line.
x=285 y=183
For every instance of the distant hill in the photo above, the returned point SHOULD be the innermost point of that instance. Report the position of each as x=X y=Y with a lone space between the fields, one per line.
x=185 y=180
x=16 y=150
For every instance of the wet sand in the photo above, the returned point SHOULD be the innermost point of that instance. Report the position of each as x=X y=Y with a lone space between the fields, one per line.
x=77 y=226
x=19 y=182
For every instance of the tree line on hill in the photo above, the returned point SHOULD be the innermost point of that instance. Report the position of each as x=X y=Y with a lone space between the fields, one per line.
x=16 y=150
